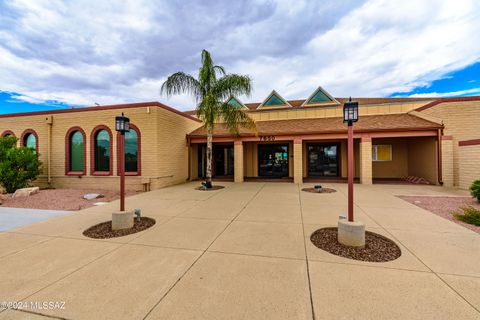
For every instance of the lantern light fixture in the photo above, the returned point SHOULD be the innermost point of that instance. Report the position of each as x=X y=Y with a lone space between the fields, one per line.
x=122 y=124
x=350 y=112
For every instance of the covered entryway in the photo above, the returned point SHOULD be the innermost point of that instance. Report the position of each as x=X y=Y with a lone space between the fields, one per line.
x=323 y=159
x=405 y=158
x=223 y=158
x=389 y=147
x=273 y=160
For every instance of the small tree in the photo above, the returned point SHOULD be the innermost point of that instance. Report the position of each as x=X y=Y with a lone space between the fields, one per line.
x=18 y=165
x=211 y=90
x=475 y=189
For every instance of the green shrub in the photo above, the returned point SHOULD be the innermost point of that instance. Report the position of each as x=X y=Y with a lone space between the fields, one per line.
x=475 y=189
x=18 y=165
x=468 y=215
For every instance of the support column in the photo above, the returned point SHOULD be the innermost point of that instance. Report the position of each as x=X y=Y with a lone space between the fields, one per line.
x=297 y=161
x=447 y=161
x=238 y=161
x=366 y=160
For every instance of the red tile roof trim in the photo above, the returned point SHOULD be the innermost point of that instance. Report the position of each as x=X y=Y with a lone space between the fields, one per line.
x=101 y=108
x=473 y=142
x=373 y=123
x=443 y=100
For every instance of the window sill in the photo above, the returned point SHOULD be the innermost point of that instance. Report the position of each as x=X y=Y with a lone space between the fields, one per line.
x=75 y=173
x=130 y=174
x=101 y=173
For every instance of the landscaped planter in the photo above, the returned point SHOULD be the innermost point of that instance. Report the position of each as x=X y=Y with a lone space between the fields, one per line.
x=377 y=247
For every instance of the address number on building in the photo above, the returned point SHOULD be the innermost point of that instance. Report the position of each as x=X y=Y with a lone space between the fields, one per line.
x=267 y=138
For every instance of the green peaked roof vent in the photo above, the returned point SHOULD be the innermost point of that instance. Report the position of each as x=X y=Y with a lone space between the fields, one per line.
x=234 y=102
x=319 y=96
x=274 y=100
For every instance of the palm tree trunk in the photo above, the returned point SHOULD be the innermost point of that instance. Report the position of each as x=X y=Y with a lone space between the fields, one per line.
x=208 y=181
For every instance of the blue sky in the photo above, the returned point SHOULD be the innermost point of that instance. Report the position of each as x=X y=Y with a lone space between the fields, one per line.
x=70 y=53
x=464 y=82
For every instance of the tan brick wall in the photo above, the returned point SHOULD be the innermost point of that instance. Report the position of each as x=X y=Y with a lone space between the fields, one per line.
x=163 y=142
x=447 y=163
x=461 y=121
x=365 y=162
x=238 y=162
x=37 y=123
x=172 y=150
x=298 y=162
x=332 y=111
x=193 y=161
x=469 y=165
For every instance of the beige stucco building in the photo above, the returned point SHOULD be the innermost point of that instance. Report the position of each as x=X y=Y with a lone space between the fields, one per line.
x=437 y=140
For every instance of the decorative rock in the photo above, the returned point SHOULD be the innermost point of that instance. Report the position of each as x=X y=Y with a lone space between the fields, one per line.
x=25 y=192
x=91 y=196
x=100 y=203
x=122 y=220
x=351 y=233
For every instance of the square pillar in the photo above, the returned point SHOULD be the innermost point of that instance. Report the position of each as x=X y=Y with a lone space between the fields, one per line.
x=447 y=161
x=297 y=161
x=238 y=161
x=366 y=160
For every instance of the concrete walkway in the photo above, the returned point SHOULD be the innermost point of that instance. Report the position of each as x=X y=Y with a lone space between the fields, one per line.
x=12 y=218
x=244 y=253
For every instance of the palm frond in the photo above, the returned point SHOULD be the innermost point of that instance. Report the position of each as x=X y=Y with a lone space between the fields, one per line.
x=212 y=94
x=220 y=70
x=232 y=85
x=206 y=74
x=207 y=111
x=179 y=83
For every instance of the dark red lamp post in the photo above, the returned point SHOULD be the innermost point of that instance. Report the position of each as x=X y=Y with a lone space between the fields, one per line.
x=350 y=115
x=122 y=125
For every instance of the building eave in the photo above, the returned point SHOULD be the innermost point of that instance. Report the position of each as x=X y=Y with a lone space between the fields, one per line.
x=101 y=108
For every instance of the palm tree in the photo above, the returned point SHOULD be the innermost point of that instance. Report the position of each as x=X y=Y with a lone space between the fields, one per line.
x=212 y=90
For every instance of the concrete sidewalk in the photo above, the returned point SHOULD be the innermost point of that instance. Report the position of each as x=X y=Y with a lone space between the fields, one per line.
x=12 y=218
x=244 y=252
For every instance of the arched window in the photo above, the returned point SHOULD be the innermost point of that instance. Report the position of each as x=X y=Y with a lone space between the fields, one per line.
x=132 y=151
x=102 y=151
x=30 y=139
x=7 y=133
x=75 y=152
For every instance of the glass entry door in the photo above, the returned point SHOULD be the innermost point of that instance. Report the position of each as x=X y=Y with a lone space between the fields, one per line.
x=222 y=161
x=323 y=159
x=273 y=160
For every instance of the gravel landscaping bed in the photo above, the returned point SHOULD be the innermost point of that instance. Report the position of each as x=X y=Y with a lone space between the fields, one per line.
x=444 y=206
x=60 y=199
x=377 y=247
x=201 y=188
x=323 y=190
x=104 y=230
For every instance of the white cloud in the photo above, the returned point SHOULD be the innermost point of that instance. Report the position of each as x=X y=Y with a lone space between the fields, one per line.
x=473 y=91
x=385 y=47
x=107 y=52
